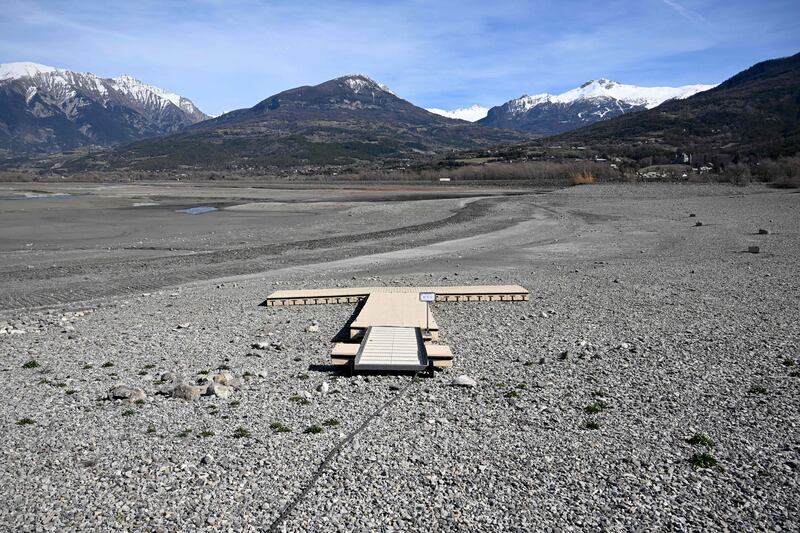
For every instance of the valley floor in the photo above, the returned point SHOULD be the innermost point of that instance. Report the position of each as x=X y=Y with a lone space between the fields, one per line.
x=643 y=330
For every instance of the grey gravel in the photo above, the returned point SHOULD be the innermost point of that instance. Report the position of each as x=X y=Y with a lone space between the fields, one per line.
x=698 y=339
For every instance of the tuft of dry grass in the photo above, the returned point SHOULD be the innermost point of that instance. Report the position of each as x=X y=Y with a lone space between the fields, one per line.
x=584 y=177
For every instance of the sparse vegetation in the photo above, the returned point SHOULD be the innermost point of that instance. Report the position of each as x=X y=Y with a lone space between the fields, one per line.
x=703 y=460
x=33 y=363
x=299 y=399
x=314 y=429
x=206 y=433
x=700 y=439
x=128 y=412
x=789 y=362
x=591 y=424
x=596 y=407
x=511 y=394
x=331 y=422
x=584 y=177
x=107 y=364
x=151 y=429
x=758 y=389
x=278 y=427
x=185 y=433
x=241 y=433
x=234 y=403
x=25 y=421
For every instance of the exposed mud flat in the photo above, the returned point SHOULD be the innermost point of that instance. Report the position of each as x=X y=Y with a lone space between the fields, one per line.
x=643 y=331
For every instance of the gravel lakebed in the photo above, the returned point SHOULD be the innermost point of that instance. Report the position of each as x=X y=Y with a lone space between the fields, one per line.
x=648 y=391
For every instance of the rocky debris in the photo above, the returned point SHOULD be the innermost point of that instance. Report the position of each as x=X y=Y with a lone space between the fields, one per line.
x=763 y=231
x=124 y=392
x=675 y=362
x=267 y=345
x=464 y=381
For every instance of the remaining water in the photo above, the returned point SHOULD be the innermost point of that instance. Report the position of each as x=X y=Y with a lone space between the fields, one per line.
x=197 y=210
x=38 y=196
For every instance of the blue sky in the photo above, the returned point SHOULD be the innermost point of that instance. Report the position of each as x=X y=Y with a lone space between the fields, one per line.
x=228 y=54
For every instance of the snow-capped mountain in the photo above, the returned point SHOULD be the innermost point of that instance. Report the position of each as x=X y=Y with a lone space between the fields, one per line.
x=45 y=108
x=472 y=113
x=595 y=100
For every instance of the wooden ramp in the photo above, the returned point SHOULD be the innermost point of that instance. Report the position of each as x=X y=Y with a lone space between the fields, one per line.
x=391 y=348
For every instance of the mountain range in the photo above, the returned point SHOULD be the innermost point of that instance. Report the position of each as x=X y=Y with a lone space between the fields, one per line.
x=49 y=109
x=353 y=119
x=339 y=122
x=549 y=114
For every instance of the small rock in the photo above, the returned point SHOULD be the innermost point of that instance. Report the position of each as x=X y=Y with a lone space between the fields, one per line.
x=260 y=345
x=219 y=390
x=464 y=381
x=763 y=231
x=753 y=249
x=324 y=388
x=543 y=314
x=123 y=392
x=183 y=325
x=188 y=392
x=223 y=377
x=169 y=377
x=698 y=223
x=313 y=328
x=207 y=460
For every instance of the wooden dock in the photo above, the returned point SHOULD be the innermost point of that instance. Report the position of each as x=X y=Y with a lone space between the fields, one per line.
x=392 y=314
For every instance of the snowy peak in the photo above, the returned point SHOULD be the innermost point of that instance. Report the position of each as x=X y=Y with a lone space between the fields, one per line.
x=360 y=83
x=472 y=113
x=23 y=69
x=648 y=97
x=593 y=101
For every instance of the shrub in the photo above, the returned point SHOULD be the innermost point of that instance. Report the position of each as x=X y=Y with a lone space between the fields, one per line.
x=313 y=429
x=700 y=439
x=591 y=424
x=278 y=427
x=25 y=421
x=584 y=177
x=597 y=407
x=241 y=433
x=331 y=422
x=703 y=460
x=33 y=363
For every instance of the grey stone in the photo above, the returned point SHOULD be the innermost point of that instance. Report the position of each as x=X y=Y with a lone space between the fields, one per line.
x=464 y=381
x=188 y=392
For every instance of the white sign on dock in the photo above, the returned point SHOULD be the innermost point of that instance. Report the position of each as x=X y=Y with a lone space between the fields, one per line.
x=427 y=297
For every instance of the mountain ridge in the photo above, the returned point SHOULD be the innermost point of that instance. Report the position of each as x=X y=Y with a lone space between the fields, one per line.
x=593 y=101
x=46 y=109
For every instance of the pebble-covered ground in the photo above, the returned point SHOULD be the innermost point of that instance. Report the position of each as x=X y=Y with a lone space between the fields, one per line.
x=652 y=382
